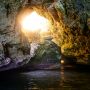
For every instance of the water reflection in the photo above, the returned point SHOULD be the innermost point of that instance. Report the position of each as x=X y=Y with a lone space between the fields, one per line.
x=42 y=79
x=62 y=79
x=46 y=80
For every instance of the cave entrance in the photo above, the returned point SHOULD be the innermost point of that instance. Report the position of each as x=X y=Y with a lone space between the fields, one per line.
x=35 y=24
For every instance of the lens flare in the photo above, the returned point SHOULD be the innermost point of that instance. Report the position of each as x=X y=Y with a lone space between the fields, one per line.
x=35 y=22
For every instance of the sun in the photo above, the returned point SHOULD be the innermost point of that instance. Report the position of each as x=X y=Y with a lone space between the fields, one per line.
x=35 y=22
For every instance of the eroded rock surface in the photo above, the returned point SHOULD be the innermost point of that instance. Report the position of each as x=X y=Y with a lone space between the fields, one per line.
x=70 y=28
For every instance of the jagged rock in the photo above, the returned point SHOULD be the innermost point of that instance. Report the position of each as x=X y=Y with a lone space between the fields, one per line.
x=69 y=21
x=47 y=56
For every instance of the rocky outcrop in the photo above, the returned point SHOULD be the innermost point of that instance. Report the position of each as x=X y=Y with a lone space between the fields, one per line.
x=70 y=25
x=47 y=56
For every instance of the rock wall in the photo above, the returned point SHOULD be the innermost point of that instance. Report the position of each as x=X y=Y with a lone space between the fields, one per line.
x=70 y=21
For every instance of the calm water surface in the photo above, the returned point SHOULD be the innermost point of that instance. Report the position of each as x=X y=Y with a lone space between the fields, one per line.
x=46 y=80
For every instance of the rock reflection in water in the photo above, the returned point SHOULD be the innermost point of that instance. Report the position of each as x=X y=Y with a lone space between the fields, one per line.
x=42 y=79
x=46 y=80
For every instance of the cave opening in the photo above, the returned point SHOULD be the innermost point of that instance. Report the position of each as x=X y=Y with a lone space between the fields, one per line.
x=37 y=21
x=40 y=32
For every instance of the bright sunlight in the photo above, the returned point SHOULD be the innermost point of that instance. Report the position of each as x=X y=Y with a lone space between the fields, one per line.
x=34 y=22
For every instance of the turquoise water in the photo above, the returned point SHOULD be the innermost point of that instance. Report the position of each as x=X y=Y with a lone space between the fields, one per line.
x=46 y=80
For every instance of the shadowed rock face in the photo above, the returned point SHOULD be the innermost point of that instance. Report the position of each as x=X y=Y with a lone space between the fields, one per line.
x=47 y=56
x=70 y=23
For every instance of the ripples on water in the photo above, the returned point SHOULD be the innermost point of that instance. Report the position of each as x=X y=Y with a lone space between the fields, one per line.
x=46 y=80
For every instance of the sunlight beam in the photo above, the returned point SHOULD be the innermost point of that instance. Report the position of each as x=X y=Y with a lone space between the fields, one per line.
x=34 y=22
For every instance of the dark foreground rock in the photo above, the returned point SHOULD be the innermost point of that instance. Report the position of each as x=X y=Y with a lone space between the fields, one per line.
x=9 y=64
x=47 y=56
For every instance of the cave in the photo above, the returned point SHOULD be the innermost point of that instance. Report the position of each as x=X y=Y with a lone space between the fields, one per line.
x=67 y=28
x=44 y=44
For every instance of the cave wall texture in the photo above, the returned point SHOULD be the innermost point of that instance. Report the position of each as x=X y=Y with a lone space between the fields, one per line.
x=70 y=21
